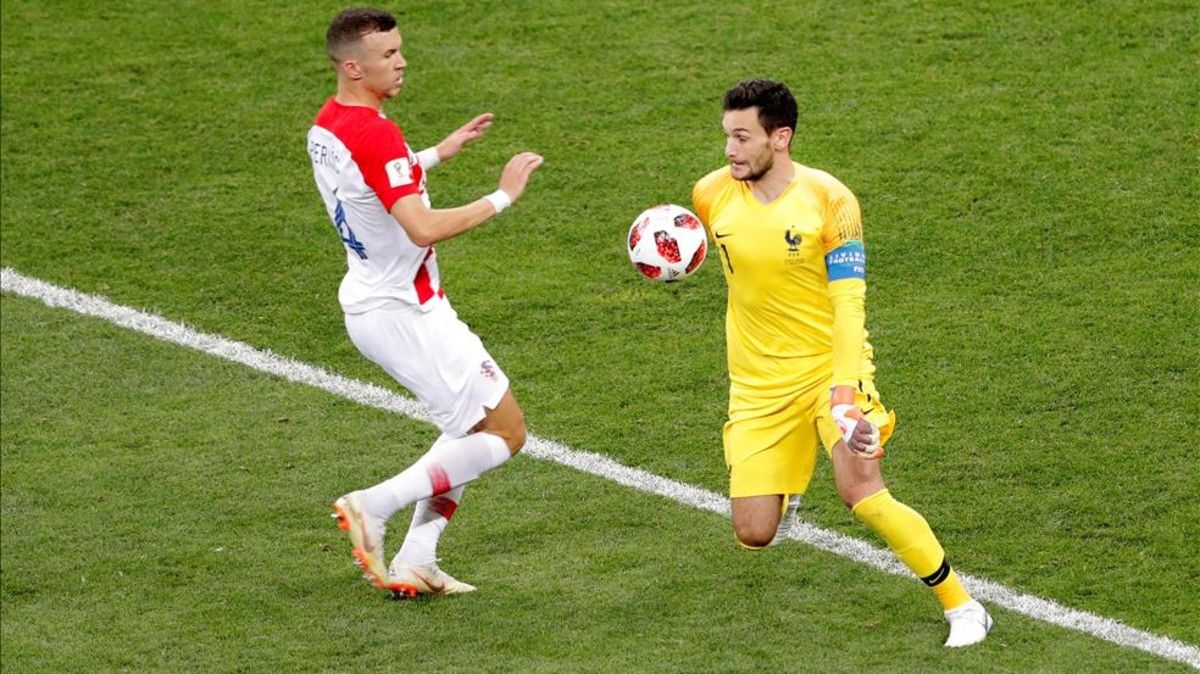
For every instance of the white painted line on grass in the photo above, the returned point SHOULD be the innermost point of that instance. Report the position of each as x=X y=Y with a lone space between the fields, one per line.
x=587 y=462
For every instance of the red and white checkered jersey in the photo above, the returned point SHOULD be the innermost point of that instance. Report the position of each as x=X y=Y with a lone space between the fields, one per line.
x=362 y=166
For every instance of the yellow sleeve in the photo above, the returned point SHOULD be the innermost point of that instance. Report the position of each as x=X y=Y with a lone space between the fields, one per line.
x=706 y=192
x=845 y=262
x=700 y=202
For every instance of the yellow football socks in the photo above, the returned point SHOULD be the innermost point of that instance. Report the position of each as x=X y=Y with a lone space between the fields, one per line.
x=909 y=536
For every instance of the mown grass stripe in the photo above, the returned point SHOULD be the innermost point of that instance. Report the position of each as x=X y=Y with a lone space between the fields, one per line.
x=848 y=547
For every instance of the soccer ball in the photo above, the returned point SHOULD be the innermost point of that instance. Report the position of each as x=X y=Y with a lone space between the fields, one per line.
x=667 y=243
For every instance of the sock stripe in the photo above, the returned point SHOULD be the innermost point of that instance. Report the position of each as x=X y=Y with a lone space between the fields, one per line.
x=443 y=506
x=439 y=480
x=942 y=573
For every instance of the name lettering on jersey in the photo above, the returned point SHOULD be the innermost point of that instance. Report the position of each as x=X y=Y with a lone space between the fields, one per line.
x=399 y=172
x=847 y=261
x=323 y=155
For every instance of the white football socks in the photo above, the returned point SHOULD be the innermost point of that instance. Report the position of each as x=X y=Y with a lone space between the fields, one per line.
x=451 y=462
x=429 y=520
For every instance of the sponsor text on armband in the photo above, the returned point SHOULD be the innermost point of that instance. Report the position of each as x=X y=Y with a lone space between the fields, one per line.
x=847 y=261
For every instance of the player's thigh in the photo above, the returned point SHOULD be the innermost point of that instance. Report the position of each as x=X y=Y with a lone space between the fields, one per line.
x=391 y=338
x=856 y=478
x=770 y=447
x=436 y=357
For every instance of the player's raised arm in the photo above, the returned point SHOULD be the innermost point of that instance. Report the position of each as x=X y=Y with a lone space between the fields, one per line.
x=452 y=144
x=426 y=226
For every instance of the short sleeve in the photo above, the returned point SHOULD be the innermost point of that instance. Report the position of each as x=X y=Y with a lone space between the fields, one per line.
x=700 y=204
x=705 y=193
x=388 y=165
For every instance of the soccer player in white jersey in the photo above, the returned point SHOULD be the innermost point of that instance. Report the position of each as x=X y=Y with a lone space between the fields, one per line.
x=396 y=312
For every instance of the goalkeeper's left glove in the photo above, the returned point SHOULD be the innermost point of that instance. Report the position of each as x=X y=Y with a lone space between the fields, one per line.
x=850 y=420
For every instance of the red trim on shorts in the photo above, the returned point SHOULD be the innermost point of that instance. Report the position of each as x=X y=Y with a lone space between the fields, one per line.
x=438 y=479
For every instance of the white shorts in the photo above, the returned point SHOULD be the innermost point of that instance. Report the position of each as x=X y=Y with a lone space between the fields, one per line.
x=436 y=357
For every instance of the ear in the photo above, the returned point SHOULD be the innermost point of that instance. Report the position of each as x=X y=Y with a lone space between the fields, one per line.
x=350 y=69
x=782 y=139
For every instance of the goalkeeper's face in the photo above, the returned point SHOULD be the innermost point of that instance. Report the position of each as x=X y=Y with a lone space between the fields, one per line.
x=748 y=146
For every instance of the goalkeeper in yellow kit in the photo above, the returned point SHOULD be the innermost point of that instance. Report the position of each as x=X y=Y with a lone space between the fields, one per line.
x=800 y=367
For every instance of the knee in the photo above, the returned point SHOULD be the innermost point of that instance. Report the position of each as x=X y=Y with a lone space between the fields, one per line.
x=516 y=436
x=512 y=431
x=508 y=427
x=849 y=498
x=854 y=494
x=754 y=537
x=854 y=488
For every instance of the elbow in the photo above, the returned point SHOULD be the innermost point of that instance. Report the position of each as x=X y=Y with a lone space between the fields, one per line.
x=422 y=239
x=423 y=236
x=847 y=293
x=421 y=231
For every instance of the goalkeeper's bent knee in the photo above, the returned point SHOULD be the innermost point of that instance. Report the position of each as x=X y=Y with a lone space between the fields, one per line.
x=747 y=546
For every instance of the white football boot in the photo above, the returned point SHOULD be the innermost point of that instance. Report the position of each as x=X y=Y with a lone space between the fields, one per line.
x=366 y=535
x=969 y=624
x=409 y=580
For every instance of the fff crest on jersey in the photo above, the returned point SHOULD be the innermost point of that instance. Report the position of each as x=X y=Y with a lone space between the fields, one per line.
x=793 y=240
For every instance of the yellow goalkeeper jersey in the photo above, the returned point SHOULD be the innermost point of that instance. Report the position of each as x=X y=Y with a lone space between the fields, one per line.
x=787 y=264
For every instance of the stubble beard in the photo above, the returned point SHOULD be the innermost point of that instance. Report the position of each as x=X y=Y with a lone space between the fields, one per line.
x=754 y=176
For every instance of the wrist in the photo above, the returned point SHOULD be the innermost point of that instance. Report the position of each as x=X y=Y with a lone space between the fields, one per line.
x=843 y=408
x=842 y=395
x=429 y=157
x=499 y=200
x=846 y=417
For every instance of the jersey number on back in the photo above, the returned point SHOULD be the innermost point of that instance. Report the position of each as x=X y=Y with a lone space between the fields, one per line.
x=344 y=231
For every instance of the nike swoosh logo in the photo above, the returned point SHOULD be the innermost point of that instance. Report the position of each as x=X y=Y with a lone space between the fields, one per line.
x=722 y=236
x=434 y=589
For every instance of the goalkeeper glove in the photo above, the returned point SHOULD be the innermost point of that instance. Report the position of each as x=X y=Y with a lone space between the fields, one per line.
x=848 y=418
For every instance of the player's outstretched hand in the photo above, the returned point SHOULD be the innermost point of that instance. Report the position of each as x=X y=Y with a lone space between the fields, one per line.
x=516 y=173
x=864 y=441
x=470 y=131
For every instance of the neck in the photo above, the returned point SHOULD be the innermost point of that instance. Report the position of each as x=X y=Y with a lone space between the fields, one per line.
x=349 y=94
x=772 y=184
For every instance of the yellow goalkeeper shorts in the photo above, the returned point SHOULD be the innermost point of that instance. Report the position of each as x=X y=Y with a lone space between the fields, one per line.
x=771 y=436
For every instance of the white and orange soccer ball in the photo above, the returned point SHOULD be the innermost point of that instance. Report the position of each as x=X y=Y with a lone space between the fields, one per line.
x=667 y=243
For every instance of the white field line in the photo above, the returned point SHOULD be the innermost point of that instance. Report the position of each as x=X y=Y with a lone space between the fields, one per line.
x=587 y=462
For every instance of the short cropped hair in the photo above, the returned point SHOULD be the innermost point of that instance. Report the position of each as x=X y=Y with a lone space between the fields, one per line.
x=351 y=25
x=776 y=105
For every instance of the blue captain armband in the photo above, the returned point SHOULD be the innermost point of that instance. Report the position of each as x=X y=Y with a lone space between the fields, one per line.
x=847 y=261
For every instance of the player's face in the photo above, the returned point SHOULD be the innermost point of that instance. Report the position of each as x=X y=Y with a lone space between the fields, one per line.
x=747 y=145
x=381 y=63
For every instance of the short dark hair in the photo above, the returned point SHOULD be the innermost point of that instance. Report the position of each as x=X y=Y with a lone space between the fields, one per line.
x=776 y=105
x=351 y=25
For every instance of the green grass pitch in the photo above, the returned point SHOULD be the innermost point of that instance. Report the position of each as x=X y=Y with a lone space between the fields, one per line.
x=1028 y=174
